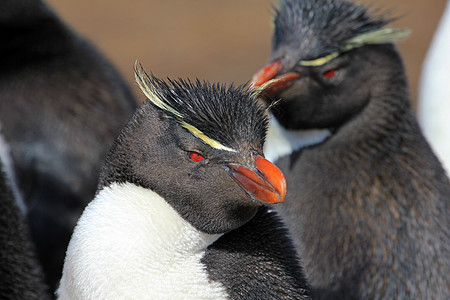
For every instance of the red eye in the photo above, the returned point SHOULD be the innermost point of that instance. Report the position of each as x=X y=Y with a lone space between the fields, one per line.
x=194 y=156
x=330 y=73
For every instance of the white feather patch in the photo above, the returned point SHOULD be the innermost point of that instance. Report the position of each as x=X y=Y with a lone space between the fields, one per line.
x=434 y=92
x=8 y=169
x=281 y=142
x=131 y=244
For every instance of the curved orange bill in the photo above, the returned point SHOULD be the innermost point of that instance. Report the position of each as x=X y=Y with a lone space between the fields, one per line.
x=269 y=72
x=266 y=73
x=266 y=183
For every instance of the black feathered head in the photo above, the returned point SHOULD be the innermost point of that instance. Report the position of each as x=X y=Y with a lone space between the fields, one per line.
x=222 y=117
x=320 y=30
x=199 y=146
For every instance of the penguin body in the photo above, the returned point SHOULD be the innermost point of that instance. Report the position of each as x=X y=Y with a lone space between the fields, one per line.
x=367 y=205
x=433 y=105
x=21 y=276
x=61 y=105
x=178 y=211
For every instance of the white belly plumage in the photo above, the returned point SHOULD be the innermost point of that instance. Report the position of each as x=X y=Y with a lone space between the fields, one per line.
x=131 y=244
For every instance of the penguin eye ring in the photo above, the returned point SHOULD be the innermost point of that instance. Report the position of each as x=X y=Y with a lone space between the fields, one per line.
x=195 y=156
x=330 y=73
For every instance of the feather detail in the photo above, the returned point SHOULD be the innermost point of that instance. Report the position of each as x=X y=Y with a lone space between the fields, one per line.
x=150 y=91
x=380 y=36
x=323 y=29
x=204 y=109
x=209 y=141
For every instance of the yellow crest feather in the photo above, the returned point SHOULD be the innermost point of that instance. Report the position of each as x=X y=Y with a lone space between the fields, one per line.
x=153 y=96
x=256 y=91
x=380 y=36
x=320 y=61
x=149 y=91
x=206 y=139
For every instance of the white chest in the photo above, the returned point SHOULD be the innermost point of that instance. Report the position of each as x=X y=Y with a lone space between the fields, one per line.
x=131 y=244
x=281 y=142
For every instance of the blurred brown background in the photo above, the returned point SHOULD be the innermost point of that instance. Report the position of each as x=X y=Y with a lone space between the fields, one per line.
x=212 y=39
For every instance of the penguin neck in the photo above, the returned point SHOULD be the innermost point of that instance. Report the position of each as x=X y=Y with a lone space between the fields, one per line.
x=388 y=110
x=281 y=141
x=131 y=242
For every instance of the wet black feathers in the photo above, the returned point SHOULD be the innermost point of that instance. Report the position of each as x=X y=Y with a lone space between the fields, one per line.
x=321 y=27
x=230 y=115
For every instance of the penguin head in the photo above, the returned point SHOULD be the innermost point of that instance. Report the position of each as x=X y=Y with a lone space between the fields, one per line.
x=325 y=55
x=199 y=146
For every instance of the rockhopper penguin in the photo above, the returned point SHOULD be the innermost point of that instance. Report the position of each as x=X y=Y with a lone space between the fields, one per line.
x=179 y=209
x=368 y=202
x=62 y=104
x=21 y=275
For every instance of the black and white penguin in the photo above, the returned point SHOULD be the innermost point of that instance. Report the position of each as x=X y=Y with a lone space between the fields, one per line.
x=368 y=201
x=62 y=104
x=21 y=275
x=179 y=210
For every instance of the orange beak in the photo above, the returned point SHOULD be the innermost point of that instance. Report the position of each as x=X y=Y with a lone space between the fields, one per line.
x=269 y=72
x=265 y=183
x=266 y=73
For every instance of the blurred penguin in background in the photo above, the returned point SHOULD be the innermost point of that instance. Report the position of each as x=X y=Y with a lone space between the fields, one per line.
x=368 y=201
x=433 y=107
x=21 y=275
x=62 y=104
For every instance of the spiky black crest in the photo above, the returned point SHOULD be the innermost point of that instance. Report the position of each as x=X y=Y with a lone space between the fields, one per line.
x=230 y=115
x=321 y=27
